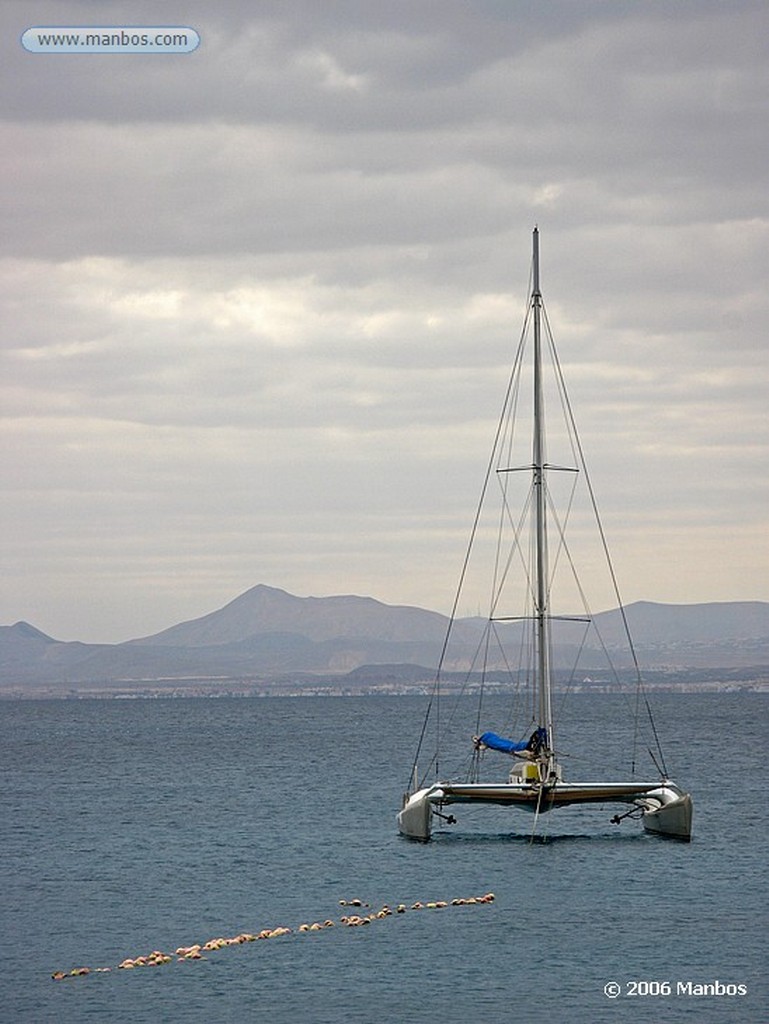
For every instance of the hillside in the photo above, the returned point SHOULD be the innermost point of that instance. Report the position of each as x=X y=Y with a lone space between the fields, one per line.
x=268 y=610
x=267 y=633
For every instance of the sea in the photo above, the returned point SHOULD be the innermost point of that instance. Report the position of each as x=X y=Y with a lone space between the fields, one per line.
x=133 y=826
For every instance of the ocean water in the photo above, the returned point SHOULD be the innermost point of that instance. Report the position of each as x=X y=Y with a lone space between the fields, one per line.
x=134 y=825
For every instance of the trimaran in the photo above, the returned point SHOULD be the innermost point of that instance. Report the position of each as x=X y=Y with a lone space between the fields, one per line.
x=535 y=781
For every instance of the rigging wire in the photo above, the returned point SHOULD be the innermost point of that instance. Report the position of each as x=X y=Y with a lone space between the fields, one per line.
x=465 y=564
x=536 y=814
x=604 y=545
x=500 y=465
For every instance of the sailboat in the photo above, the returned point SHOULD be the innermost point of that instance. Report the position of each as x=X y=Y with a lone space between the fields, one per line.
x=527 y=769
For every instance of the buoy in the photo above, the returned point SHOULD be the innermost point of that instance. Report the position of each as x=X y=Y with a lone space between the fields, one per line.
x=158 y=958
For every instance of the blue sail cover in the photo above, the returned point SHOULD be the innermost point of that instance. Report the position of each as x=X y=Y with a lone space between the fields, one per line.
x=494 y=742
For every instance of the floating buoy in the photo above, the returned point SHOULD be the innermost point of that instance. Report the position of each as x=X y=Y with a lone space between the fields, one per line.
x=158 y=958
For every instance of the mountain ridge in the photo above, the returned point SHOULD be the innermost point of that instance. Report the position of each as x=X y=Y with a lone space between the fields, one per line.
x=277 y=610
x=267 y=632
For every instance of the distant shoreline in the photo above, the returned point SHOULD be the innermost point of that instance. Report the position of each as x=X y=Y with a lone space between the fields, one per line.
x=177 y=691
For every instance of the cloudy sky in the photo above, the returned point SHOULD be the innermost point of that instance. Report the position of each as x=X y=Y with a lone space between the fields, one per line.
x=259 y=301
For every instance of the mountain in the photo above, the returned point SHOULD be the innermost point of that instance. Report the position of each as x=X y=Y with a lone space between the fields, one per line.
x=268 y=634
x=674 y=624
x=677 y=638
x=20 y=645
x=268 y=610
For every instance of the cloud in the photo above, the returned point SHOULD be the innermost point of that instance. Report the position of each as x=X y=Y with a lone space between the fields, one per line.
x=259 y=301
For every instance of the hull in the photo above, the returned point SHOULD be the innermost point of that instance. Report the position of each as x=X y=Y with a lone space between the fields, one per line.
x=667 y=810
x=415 y=818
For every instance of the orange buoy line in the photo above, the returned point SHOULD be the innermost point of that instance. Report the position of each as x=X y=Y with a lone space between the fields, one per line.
x=157 y=958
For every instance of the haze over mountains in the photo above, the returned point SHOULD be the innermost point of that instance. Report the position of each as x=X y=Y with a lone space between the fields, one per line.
x=269 y=635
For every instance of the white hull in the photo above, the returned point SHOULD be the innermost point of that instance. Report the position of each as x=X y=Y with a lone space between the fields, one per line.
x=415 y=819
x=667 y=810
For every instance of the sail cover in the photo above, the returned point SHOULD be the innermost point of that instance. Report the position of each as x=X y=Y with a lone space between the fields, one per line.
x=495 y=742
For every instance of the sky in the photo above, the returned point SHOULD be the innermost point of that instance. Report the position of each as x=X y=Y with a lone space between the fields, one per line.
x=259 y=300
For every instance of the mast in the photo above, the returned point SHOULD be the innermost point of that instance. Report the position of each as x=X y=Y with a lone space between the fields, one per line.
x=541 y=610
